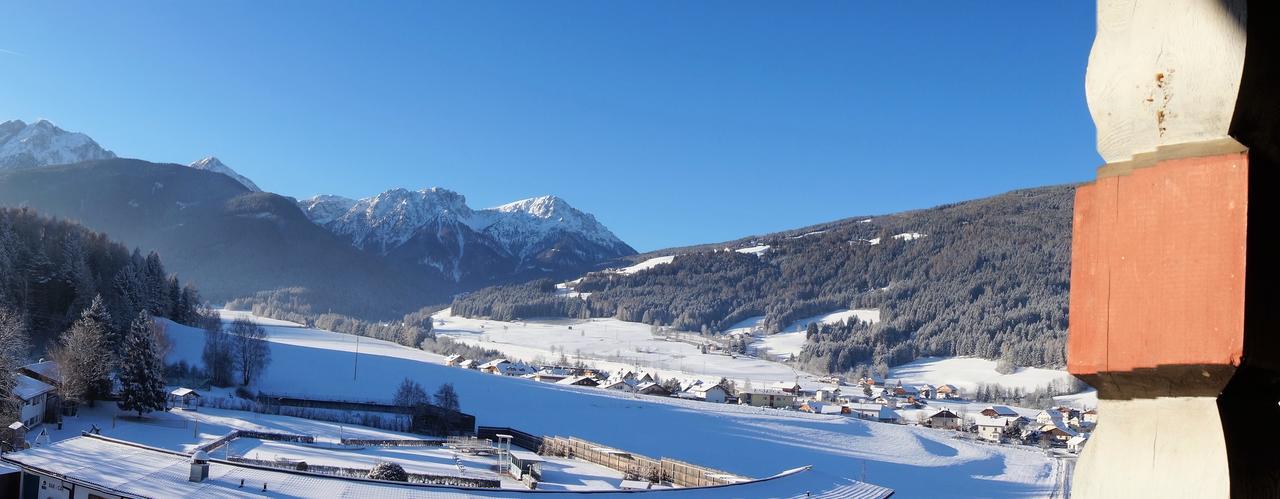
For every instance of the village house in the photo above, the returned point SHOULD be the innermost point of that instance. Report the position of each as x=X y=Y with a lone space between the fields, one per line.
x=715 y=394
x=506 y=368
x=905 y=391
x=33 y=397
x=468 y=364
x=948 y=392
x=578 y=381
x=1056 y=433
x=886 y=400
x=1089 y=417
x=826 y=394
x=873 y=412
x=943 y=419
x=991 y=429
x=453 y=360
x=620 y=385
x=787 y=387
x=652 y=389
x=766 y=398
x=871 y=381
x=546 y=376
x=999 y=411
x=1076 y=444
x=817 y=407
x=927 y=391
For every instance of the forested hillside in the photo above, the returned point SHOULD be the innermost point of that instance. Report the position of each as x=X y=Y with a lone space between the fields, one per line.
x=50 y=271
x=987 y=277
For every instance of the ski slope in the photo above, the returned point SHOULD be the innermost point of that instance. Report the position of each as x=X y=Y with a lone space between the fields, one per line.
x=917 y=462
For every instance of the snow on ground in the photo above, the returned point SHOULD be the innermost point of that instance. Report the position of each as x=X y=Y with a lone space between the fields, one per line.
x=183 y=431
x=967 y=372
x=609 y=344
x=905 y=236
x=917 y=462
x=791 y=339
x=645 y=265
x=754 y=250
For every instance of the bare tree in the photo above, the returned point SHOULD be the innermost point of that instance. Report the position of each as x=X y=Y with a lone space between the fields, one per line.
x=447 y=398
x=219 y=353
x=252 y=352
x=84 y=358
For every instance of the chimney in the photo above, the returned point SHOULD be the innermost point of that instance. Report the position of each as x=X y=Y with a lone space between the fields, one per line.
x=199 y=466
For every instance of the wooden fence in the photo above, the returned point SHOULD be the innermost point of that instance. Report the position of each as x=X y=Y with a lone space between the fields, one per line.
x=638 y=466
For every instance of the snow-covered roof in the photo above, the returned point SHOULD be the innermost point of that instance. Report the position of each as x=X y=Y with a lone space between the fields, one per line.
x=991 y=421
x=28 y=388
x=1077 y=440
x=526 y=456
x=822 y=408
x=574 y=380
x=136 y=470
x=704 y=388
x=493 y=363
x=183 y=392
x=1001 y=410
x=45 y=368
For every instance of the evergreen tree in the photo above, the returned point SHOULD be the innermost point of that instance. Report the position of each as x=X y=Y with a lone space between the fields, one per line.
x=142 y=369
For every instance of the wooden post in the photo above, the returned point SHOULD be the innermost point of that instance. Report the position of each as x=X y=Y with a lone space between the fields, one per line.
x=1173 y=316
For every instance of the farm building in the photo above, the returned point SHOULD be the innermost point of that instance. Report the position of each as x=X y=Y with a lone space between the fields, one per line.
x=943 y=419
x=767 y=398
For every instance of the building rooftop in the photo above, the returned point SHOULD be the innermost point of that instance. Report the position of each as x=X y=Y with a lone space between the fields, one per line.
x=28 y=388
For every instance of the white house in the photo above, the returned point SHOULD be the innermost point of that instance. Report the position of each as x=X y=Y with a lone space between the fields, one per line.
x=715 y=394
x=1076 y=444
x=33 y=397
x=873 y=412
x=991 y=429
x=620 y=385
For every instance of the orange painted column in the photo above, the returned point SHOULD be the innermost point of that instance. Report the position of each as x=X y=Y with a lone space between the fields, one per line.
x=1175 y=266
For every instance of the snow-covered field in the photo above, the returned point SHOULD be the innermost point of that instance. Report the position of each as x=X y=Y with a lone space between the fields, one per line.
x=645 y=265
x=791 y=339
x=608 y=344
x=917 y=462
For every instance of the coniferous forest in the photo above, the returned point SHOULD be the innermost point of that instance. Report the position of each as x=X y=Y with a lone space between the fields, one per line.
x=51 y=270
x=989 y=278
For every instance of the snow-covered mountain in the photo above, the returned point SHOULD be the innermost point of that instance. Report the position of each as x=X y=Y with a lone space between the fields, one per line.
x=42 y=143
x=213 y=164
x=435 y=227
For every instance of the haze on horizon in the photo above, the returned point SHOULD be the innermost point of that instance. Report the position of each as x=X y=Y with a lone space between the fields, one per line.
x=672 y=123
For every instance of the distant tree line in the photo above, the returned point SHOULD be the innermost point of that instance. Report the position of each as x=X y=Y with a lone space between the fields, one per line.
x=989 y=279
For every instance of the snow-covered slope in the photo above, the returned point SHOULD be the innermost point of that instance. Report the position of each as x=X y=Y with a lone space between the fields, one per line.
x=42 y=143
x=212 y=164
x=436 y=227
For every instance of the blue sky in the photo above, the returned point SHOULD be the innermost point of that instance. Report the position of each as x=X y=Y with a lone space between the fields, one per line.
x=673 y=122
